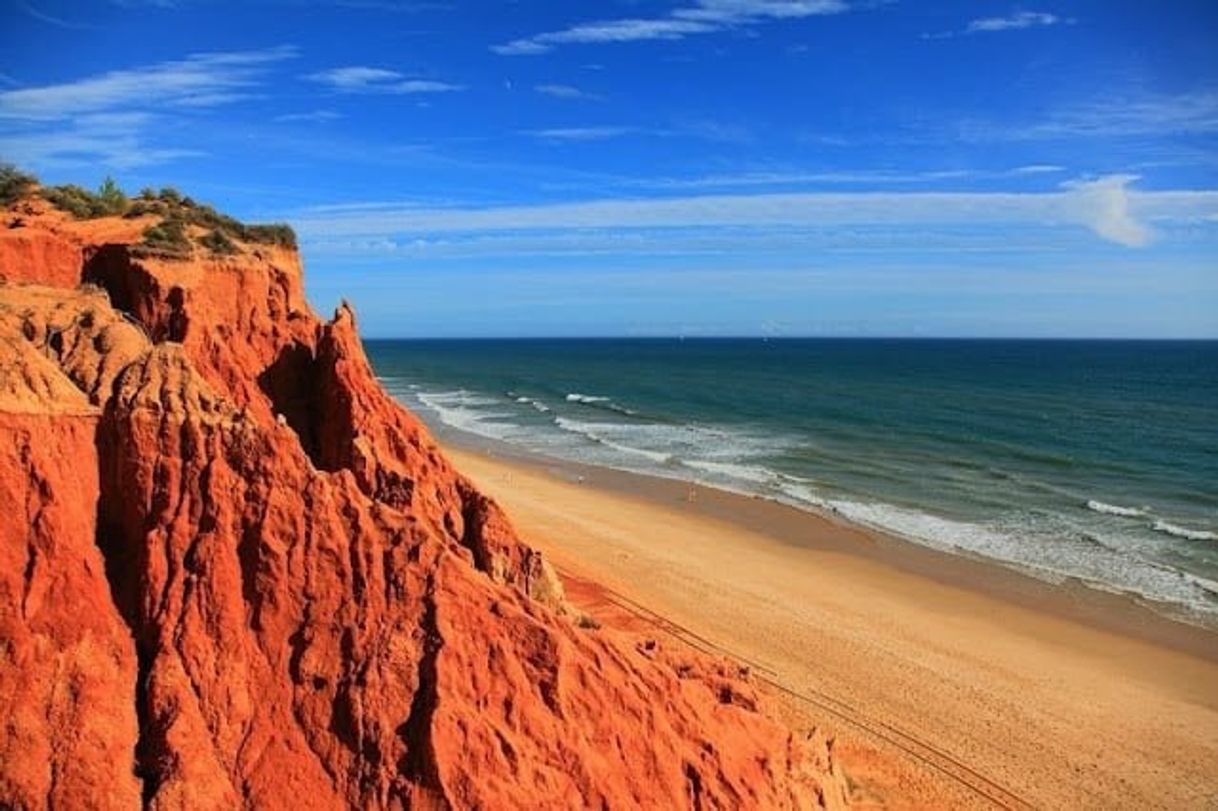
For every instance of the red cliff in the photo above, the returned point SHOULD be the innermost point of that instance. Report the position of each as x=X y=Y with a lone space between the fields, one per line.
x=235 y=573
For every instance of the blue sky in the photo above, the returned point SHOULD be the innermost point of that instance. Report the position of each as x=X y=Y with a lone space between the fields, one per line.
x=700 y=167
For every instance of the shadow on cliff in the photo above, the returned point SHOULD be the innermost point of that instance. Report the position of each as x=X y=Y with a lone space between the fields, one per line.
x=290 y=383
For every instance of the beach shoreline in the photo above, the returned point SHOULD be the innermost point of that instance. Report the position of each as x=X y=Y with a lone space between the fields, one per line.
x=942 y=648
x=1119 y=612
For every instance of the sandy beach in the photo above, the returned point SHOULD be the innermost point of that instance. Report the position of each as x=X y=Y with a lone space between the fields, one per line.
x=946 y=681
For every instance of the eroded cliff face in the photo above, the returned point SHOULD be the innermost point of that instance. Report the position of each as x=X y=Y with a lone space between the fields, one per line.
x=235 y=573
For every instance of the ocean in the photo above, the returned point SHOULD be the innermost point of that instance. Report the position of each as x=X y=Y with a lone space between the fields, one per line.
x=1091 y=460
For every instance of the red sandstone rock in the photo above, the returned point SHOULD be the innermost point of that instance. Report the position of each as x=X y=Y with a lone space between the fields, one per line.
x=235 y=573
x=67 y=665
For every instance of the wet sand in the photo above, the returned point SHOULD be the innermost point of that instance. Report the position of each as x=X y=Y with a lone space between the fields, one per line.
x=947 y=681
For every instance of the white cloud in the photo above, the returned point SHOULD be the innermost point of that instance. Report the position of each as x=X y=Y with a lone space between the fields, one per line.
x=1012 y=22
x=49 y=19
x=363 y=79
x=581 y=133
x=355 y=77
x=1116 y=116
x=109 y=139
x=630 y=30
x=1106 y=206
x=113 y=118
x=856 y=177
x=520 y=47
x=315 y=116
x=1015 y=21
x=562 y=91
x=701 y=130
x=624 y=31
x=205 y=79
x=1038 y=169
x=730 y=12
x=1141 y=115
x=705 y=16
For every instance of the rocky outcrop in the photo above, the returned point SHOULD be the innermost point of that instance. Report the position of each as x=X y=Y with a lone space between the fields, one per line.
x=235 y=573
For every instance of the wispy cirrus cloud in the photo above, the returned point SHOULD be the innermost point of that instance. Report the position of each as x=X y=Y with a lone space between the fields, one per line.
x=1106 y=206
x=1037 y=169
x=373 y=80
x=704 y=17
x=1134 y=128
x=1116 y=116
x=1015 y=21
x=581 y=133
x=698 y=130
x=204 y=79
x=49 y=19
x=312 y=116
x=563 y=91
x=113 y=140
x=857 y=177
x=113 y=118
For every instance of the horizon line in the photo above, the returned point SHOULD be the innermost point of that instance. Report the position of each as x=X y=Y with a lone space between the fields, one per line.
x=729 y=337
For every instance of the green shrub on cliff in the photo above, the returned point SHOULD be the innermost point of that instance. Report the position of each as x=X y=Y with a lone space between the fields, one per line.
x=166 y=239
x=83 y=204
x=170 y=196
x=111 y=198
x=273 y=234
x=76 y=200
x=207 y=217
x=142 y=206
x=218 y=243
x=14 y=184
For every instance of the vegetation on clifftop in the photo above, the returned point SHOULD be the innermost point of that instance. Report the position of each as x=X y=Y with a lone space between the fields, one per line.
x=14 y=184
x=171 y=237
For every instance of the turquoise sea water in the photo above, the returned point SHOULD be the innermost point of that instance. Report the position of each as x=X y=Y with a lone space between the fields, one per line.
x=1096 y=460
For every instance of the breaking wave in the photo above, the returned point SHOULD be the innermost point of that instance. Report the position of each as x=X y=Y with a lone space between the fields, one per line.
x=1115 y=509
x=1183 y=532
x=595 y=401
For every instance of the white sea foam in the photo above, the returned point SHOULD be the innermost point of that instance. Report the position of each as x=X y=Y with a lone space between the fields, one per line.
x=1114 y=509
x=932 y=530
x=596 y=401
x=724 y=455
x=466 y=411
x=1183 y=532
x=734 y=470
x=1046 y=547
x=801 y=495
x=1203 y=583
x=535 y=403
x=607 y=434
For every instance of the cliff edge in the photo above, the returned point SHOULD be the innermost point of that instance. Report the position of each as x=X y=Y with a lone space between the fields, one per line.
x=236 y=573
